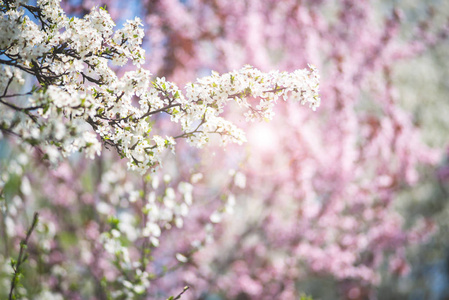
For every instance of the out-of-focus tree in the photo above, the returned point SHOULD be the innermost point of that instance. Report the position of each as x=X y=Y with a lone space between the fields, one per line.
x=319 y=200
x=313 y=195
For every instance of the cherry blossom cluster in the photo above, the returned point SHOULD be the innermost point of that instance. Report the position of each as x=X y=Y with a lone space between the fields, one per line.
x=78 y=96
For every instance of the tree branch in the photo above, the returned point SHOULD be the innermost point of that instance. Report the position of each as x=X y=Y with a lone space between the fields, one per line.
x=22 y=257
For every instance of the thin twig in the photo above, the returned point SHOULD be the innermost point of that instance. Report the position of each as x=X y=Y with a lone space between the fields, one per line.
x=160 y=110
x=22 y=256
x=3 y=229
x=180 y=294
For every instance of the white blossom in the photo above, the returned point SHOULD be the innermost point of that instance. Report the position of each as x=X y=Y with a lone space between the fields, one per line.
x=181 y=258
x=73 y=51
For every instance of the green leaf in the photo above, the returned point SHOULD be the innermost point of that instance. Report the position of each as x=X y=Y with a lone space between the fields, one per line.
x=113 y=221
x=46 y=108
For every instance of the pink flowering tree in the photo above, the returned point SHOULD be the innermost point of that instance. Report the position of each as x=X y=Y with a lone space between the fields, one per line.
x=318 y=191
x=310 y=195
x=319 y=197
